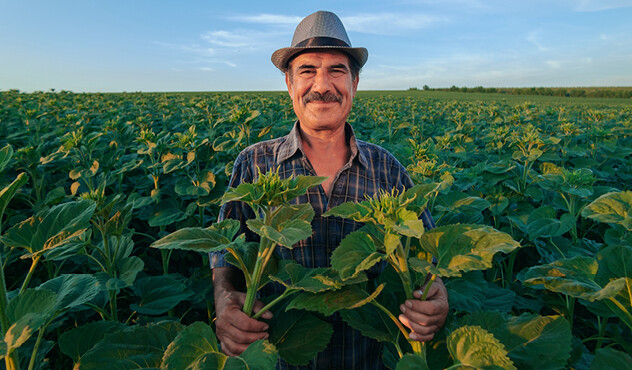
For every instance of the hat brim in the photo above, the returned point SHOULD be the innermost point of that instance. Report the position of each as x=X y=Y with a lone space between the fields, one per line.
x=281 y=57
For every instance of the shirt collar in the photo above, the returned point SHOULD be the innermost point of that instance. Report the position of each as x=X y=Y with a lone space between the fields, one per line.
x=293 y=143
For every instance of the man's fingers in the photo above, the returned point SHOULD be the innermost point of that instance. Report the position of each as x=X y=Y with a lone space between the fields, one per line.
x=419 y=332
x=426 y=313
x=258 y=306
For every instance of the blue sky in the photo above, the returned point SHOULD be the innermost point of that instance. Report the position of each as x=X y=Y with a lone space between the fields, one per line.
x=145 y=45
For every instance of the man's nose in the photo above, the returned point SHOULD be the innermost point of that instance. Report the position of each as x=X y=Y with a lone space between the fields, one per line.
x=322 y=82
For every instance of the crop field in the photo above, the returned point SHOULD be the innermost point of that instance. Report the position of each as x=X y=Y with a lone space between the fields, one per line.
x=109 y=206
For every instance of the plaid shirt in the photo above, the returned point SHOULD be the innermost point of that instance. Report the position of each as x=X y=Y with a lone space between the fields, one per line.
x=369 y=169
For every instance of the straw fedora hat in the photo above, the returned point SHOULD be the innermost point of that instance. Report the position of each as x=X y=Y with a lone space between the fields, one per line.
x=320 y=30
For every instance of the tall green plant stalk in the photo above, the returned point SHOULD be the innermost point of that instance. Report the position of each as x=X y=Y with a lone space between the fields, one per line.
x=269 y=197
x=277 y=222
x=11 y=360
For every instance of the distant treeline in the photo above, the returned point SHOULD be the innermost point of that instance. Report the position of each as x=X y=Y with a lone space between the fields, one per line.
x=588 y=92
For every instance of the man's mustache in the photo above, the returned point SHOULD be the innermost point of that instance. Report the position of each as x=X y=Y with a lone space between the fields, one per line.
x=325 y=97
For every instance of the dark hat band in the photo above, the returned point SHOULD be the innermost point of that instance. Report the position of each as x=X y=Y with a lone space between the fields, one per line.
x=321 y=41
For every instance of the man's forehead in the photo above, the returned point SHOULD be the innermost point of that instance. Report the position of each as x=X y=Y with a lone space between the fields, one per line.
x=319 y=55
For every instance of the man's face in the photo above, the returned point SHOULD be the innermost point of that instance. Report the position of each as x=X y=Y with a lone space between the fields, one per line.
x=321 y=88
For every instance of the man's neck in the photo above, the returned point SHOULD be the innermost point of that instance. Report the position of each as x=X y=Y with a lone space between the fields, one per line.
x=327 y=151
x=324 y=141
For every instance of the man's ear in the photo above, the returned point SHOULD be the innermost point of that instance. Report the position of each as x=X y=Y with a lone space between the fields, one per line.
x=355 y=85
x=288 y=82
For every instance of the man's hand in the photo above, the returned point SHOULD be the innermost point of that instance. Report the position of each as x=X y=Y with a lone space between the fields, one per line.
x=425 y=318
x=235 y=330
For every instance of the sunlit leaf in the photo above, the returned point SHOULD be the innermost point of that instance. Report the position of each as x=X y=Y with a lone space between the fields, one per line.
x=331 y=301
x=614 y=208
x=192 y=342
x=531 y=341
x=474 y=346
x=218 y=236
x=356 y=253
x=51 y=228
x=462 y=248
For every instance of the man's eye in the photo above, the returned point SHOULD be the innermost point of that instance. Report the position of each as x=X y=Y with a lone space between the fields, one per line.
x=337 y=72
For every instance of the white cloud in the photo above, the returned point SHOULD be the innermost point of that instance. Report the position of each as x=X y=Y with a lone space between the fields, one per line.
x=555 y=64
x=277 y=19
x=598 y=5
x=230 y=39
x=534 y=38
x=389 y=23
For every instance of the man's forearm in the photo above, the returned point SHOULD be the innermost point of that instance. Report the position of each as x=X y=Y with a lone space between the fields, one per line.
x=227 y=279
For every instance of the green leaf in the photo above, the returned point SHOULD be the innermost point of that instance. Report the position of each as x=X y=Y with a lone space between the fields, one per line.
x=532 y=341
x=351 y=210
x=613 y=208
x=215 y=237
x=462 y=248
x=458 y=202
x=72 y=289
x=138 y=347
x=615 y=271
x=411 y=362
x=7 y=193
x=372 y=323
x=6 y=153
x=289 y=334
x=356 y=253
x=574 y=277
x=26 y=313
x=289 y=212
x=51 y=228
x=610 y=359
x=260 y=355
x=538 y=342
x=288 y=233
x=166 y=216
x=3 y=349
x=472 y=292
x=313 y=280
x=330 y=301
x=476 y=347
x=543 y=222
x=159 y=294
x=192 y=342
x=77 y=341
x=128 y=268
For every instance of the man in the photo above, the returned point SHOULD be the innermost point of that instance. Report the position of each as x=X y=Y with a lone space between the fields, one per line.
x=321 y=72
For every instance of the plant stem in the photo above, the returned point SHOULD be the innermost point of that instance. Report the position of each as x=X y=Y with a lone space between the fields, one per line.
x=166 y=256
x=265 y=247
x=388 y=313
x=418 y=348
x=36 y=346
x=30 y=273
x=628 y=316
x=433 y=277
x=4 y=321
x=11 y=361
x=278 y=299
x=602 y=330
x=113 y=309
